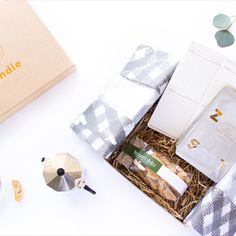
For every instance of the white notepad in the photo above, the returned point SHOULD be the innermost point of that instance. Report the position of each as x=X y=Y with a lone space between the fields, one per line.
x=200 y=75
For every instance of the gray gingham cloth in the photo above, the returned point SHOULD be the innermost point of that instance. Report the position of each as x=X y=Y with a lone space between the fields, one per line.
x=215 y=214
x=149 y=67
x=102 y=127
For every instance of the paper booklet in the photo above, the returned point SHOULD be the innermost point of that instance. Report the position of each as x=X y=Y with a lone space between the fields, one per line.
x=200 y=75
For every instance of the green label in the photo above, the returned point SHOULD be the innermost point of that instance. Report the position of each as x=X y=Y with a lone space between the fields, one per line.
x=142 y=156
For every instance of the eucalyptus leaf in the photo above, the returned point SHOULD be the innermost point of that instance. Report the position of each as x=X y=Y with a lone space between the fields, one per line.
x=222 y=21
x=224 y=38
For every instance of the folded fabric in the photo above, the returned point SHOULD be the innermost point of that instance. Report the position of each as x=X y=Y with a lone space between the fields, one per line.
x=215 y=214
x=149 y=67
x=102 y=127
x=107 y=122
x=129 y=98
x=227 y=184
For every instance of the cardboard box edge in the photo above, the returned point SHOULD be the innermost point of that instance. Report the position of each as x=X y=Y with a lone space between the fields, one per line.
x=37 y=93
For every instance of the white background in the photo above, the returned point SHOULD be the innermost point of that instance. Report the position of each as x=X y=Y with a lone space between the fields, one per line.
x=99 y=37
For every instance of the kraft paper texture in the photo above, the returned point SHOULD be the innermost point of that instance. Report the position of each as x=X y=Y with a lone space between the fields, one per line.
x=31 y=61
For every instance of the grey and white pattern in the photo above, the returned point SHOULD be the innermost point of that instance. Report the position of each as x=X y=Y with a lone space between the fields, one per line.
x=107 y=122
x=102 y=127
x=228 y=183
x=149 y=67
x=215 y=214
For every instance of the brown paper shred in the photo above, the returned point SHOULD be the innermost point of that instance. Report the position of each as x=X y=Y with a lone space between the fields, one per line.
x=198 y=186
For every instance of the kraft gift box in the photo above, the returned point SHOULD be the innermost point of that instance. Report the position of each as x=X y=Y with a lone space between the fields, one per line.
x=31 y=60
x=202 y=206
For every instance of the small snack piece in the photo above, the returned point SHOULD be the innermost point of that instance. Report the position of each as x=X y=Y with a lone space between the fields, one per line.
x=18 y=191
x=165 y=178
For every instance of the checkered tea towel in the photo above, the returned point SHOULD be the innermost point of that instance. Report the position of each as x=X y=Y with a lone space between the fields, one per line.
x=107 y=122
x=102 y=127
x=215 y=214
x=149 y=67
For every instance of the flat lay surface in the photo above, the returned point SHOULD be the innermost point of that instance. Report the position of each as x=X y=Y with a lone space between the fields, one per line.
x=99 y=37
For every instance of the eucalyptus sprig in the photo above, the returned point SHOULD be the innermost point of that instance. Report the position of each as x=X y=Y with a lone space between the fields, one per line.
x=223 y=37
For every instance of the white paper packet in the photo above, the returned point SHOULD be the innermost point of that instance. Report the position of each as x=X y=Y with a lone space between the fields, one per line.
x=209 y=144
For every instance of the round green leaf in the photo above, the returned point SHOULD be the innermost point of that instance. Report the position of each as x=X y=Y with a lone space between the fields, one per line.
x=222 y=21
x=224 y=38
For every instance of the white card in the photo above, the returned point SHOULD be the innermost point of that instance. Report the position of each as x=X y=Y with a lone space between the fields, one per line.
x=200 y=75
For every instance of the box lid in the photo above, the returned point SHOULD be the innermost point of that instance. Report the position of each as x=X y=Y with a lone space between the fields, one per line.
x=31 y=61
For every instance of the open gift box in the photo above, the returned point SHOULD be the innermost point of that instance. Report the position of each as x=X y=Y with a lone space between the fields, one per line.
x=198 y=186
x=111 y=123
